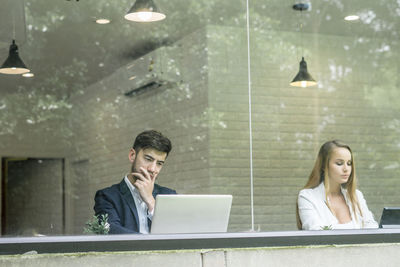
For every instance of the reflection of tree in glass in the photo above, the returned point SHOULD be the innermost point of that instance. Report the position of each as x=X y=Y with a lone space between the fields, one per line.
x=67 y=76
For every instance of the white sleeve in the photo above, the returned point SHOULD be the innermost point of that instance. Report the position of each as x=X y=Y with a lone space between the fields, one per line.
x=368 y=217
x=309 y=217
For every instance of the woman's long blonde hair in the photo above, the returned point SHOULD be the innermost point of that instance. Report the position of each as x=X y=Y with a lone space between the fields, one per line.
x=319 y=174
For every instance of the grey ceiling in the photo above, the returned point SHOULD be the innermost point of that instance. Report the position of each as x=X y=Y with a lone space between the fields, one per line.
x=60 y=42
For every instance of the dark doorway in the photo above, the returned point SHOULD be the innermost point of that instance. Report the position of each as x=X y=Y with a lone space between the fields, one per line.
x=32 y=197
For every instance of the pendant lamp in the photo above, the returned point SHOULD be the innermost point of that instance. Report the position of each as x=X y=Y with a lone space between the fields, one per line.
x=13 y=64
x=303 y=78
x=144 y=11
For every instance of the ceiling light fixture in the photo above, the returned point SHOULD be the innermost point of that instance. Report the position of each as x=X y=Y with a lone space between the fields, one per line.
x=13 y=64
x=303 y=78
x=28 y=75
x=103 y=21
x=144 y=11
x=351 y=17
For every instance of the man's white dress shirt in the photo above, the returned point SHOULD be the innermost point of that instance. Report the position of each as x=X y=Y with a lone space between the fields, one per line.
x=141 y=208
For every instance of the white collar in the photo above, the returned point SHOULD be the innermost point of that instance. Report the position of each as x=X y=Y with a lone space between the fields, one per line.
x=321 y=192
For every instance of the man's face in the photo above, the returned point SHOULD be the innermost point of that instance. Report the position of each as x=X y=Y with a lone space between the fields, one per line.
x=150 y=159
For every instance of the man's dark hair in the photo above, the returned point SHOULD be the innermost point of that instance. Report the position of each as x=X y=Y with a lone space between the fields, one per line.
x=152 y=139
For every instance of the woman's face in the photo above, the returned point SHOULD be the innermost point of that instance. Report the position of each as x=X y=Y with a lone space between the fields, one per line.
x=340 y=166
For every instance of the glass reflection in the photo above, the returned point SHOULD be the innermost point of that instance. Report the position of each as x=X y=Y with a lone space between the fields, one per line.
x=81 y=109
x=98 y=86
x=354 y=63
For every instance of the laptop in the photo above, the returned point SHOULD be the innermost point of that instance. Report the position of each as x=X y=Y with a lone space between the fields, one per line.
x=390 y=217
x=178 y=214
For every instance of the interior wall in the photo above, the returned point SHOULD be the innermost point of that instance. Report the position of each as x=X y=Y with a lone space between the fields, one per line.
x=205 y=114
x=34 y=202
x=107 y=121
x=289 y=124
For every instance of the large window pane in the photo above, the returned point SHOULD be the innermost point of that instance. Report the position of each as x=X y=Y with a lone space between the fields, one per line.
x=356 y=66
x=97 y=86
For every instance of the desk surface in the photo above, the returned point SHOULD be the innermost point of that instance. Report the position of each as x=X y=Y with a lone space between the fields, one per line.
x=102 y=243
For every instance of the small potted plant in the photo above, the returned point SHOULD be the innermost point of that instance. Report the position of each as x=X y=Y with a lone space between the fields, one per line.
x=97 y=225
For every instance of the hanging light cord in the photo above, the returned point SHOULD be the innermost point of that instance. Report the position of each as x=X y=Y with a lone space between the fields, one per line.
x=301 y=33
x=250 y=127
x=13 y=21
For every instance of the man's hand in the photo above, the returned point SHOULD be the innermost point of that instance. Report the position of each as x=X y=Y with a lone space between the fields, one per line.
x=145 y=184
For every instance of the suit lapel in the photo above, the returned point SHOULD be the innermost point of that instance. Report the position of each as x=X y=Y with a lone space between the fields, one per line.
x=155 y=191
x=126 y=193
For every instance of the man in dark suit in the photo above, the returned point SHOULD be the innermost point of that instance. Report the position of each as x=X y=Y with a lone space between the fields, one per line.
x=130 y=204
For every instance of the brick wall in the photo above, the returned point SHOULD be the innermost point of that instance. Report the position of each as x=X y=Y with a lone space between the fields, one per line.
x=289 y=124
x=206 y=115
x=107 y=122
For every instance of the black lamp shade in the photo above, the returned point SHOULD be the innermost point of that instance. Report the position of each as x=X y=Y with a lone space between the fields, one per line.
x=13 y=64
x=303 y=78
x=144 y=11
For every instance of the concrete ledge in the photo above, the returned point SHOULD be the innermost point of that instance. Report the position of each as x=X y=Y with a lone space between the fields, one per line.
x=106 y=243
x=338 y=255
x=327 y=256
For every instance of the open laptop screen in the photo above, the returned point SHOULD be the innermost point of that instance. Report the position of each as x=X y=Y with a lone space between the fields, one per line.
x=390 y=217
x=191 y=214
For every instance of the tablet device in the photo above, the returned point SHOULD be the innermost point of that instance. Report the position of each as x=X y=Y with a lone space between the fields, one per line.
x=175 y=214
x=390 y=217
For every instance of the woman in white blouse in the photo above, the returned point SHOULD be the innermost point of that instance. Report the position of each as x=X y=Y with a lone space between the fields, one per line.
x=330 y=199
